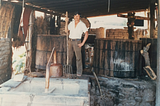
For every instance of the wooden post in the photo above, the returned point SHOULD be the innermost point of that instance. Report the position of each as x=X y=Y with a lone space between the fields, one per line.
x=34 y=43
x=52 y=25
x=158 y=60
x=152 y=19
x=29 y=50
x=130 y=24
x=58 y=23
x=0 y=3
x=148 y=26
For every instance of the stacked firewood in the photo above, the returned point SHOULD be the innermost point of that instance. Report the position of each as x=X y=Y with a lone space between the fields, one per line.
x=117 y=33
x=100 y=33
x=111 y=33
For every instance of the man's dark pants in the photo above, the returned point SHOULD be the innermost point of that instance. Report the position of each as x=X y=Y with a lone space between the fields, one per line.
x=73 y=48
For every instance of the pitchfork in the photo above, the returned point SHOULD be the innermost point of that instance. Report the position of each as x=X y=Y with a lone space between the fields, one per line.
x=67 y=69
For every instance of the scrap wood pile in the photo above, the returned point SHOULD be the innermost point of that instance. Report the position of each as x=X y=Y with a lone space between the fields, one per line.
x=17 y=42
x=141 y=33
x=6 y=13
x=41 y=25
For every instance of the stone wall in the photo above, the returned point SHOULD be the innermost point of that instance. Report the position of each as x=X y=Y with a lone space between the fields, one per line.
x=123 y=92
x=5 y=59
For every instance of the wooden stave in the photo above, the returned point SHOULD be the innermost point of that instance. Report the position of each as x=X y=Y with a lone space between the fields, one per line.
x=108 y=68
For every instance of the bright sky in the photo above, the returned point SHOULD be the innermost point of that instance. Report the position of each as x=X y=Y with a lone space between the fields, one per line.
x=113 y=21
x=108 y=22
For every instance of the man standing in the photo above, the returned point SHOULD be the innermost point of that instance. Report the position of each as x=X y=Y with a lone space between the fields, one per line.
x=76 y=28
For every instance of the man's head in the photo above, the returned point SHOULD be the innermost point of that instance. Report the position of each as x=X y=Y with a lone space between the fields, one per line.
x=77 y=12
x=77 y=16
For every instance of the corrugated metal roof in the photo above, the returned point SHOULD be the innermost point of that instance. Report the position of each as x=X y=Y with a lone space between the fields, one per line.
x=92 y=7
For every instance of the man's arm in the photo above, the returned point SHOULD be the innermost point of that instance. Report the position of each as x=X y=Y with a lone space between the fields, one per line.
x=84 y=40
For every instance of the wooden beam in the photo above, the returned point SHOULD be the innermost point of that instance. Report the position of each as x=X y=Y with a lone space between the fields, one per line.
x=152 y=20
x=158 y=60
x=136 y=17
x=45 y=10
x=38 y=8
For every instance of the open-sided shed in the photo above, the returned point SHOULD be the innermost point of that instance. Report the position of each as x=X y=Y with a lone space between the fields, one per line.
x=88 y=8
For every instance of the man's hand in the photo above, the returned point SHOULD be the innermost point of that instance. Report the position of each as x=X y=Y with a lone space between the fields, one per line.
x=67 y=19
x=80 y=45
x=84 y=40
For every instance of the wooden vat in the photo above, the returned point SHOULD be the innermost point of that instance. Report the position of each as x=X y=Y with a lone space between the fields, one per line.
x=45 y=44
x=117 y=57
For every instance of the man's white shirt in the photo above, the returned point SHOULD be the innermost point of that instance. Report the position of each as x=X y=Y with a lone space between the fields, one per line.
x=76 y=32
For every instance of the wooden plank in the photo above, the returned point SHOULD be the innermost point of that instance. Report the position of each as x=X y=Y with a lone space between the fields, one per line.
x=136 y=17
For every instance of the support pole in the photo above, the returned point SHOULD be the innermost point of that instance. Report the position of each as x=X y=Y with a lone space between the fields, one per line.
x=130 y=25
x=29 y=51
x=50 y=23
x=148 y=26
x=152 y=19
x=158 y=60
x=34 y=44
x=58 y=23
x=0 y=3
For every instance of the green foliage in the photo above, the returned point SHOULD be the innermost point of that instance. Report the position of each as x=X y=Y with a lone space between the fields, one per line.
x=19 y=63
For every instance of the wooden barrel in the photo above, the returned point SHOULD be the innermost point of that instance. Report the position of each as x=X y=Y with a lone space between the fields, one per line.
x=117 y=57
x=152 y=54
x=45 y=44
